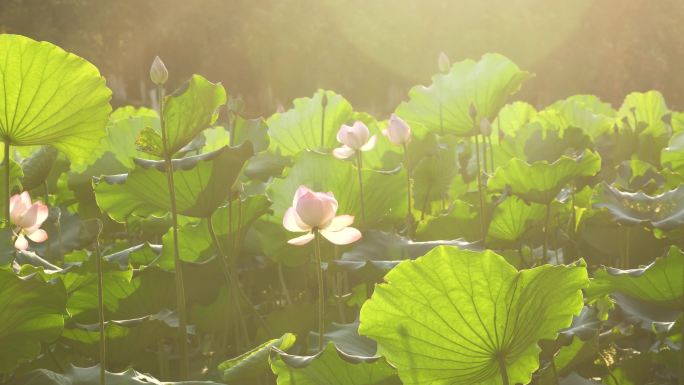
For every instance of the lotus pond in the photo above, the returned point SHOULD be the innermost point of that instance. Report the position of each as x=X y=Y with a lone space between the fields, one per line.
x=467 y=238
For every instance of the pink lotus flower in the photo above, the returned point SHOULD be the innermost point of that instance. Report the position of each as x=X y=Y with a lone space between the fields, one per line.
x=314 y=212
x=27 y=217
x=398 y=131
x=354 y=138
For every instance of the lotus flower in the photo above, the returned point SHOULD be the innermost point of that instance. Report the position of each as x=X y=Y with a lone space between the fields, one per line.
x=398 y=131
x=27 y=217
x=354 y=138
x=314 y=212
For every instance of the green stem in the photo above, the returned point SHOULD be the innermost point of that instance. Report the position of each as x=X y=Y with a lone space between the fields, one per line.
x=555 y=372
x=484 y=154
x=321 y=291
x=6 y=186
x=100 y=305
x=479 y=187
x=546 y=234
x=283 y=285
x=502 y=369
x=180 y=287
x=359 y=166
x=47 y=202
x=408 y=186
x=491 y=153
x=425 y=201
x=628 y=232
x=324 y=105
x=231 y=281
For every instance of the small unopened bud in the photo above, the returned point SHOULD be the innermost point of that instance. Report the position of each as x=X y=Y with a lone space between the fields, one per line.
x=472 y=111
x=280 y=108
x=158 y=72
x=235 y=104
x=443 y=62
x=485 y=127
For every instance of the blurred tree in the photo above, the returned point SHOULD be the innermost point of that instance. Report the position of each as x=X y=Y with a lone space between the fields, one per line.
x=271 y=51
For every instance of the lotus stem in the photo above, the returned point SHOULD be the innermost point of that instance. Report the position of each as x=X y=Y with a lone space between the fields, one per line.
x=100 y=304
x=47 y=202
x=555 y=372
x=321 y=291
x=283 y=285
x=180 y=287
x=231 y=283
x=546 y=233
x=6 y=186
x=408 y=187
x=502 y=368
x=491 y=153
x=359 y=166
x=484 y=154
x=479 y=187
x=425 y=202
x=628 y=236
x=324 y=105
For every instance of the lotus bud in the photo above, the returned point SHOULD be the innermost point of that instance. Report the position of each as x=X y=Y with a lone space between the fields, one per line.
x=485 y=127
x=443 y=62
x=472 y=111
x=158 y=72
x=398 y=131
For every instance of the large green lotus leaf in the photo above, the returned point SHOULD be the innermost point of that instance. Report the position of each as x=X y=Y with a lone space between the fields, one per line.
x=384 y=193
x=51 y=97
x=331 y=367
x=541 y=181
x=664 y=211
x=254 y=362
x=512 y=117
x=128 y=341
x=672 y=156
x=648 y=108
x=202 y=183
x=456 y=223
x=661 y=281
x=32 y=313
x=588 y=112
x=512 y=219
x=300 y=128
x=346 y=339
x=124 y=126
x=190 y=109
x=433 y=176
x=456 y=316
x=443 y=106
x=88 y=376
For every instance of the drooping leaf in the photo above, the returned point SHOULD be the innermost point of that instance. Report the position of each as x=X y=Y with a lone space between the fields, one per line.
x=301 y=127
x=457 y=316
x=331 y=367
x=254 y=362
x=664 y=211
x=128 y=341
x=443 y=106
x=672 y=156
x=32 y=313
x=540 y=182
x=661 y=281
x=86 y=376
x=202 y=184
x=51 y=97
x=37 y=167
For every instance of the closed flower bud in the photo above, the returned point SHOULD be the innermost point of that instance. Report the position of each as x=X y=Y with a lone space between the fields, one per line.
x=158 y=72
x=485 y=127
x=472 y=111
x=443 y=62
x=398 y=131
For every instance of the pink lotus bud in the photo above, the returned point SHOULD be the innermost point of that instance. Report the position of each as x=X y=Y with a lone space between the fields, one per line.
x=485 y=127
x=158 y=72
x=443 y=62
x=27 y=217
x=398 y=131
